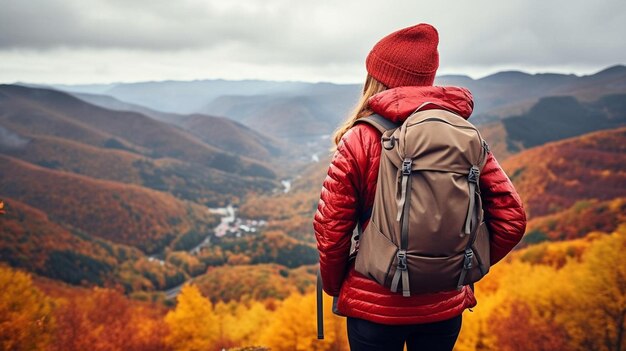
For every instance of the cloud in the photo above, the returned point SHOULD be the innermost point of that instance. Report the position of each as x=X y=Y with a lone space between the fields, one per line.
x=541 y=33
x=324 y=36
x=138 y=24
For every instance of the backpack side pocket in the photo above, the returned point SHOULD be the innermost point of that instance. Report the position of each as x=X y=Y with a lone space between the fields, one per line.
x=376 y=254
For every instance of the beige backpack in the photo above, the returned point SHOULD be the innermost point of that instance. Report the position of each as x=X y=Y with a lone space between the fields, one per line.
x=426 y=231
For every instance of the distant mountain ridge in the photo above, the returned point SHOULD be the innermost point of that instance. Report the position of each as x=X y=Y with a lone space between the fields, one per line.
x=552 y=119
x=280 y=108
x=183 y=97
x=512 y=92
x=290 y=117
x=221 y=132
x=556 y=118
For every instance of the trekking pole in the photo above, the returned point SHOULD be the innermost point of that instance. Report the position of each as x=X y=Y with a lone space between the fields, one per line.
x=320 y=307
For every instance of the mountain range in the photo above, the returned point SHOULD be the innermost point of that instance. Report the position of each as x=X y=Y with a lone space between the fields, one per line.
x=56 y=130
x=275 y=108
x=112 y=182
x=505 y=94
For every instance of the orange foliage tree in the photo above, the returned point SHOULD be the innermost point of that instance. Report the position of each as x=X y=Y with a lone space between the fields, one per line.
x=536 y=334
x=105 y=320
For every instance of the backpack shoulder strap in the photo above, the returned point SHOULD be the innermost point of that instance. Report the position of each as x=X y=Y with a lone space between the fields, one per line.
x=379 y=122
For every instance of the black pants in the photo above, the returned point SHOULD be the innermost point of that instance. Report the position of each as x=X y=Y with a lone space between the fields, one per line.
x=368 y=336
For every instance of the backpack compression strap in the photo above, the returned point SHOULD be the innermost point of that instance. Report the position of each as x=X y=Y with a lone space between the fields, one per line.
x=403 y=218
x=473 y=218
x=379 y=122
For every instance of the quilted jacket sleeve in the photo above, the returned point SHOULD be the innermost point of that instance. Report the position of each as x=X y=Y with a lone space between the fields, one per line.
x=336 y=215
x=504 y=212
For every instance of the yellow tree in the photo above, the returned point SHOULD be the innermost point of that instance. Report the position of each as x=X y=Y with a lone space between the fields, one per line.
x=24 y=312
x=515 y=290
x=226 y=322
x=293 y=326
x=193 y=325
x=475 y=330
x=599 y=320
x=249 y=321
x=474 y=334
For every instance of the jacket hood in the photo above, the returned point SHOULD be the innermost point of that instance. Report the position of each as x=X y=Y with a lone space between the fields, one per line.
x=399 y=103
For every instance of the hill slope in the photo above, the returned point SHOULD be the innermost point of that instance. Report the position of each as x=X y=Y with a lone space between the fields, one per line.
x=583 y=217
x=552 y=177
x=222 y=133
x=185 y=180
x=29 y=111
x=118 y=212
x=30 y=240
x=232 y=136
x=557 y=118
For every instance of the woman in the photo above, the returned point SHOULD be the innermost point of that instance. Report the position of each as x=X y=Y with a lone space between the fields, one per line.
x=401 y=69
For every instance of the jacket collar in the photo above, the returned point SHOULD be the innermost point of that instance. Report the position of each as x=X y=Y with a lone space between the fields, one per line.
x=399 y=103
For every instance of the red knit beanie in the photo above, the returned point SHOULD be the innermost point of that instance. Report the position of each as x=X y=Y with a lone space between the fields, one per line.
x=406 y=57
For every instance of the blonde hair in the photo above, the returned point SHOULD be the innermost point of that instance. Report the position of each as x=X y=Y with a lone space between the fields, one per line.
x=371 y=88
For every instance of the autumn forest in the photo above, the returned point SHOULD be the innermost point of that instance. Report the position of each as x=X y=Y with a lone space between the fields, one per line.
x=126 y=228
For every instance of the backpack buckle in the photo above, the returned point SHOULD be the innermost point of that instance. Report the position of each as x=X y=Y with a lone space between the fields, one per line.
x=473 y=175
x=469 y=255
x=406 y=166
x=402 y=265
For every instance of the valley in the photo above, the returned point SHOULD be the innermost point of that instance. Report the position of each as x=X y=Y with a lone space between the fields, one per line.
x=113 y=196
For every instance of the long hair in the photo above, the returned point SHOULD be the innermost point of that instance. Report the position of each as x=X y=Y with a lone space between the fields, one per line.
x=371 y=87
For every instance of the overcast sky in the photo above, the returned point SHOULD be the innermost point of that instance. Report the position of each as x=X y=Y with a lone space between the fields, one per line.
x=89 y=41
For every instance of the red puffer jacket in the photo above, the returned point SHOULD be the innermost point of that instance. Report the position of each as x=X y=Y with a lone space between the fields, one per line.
x=349 y=189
